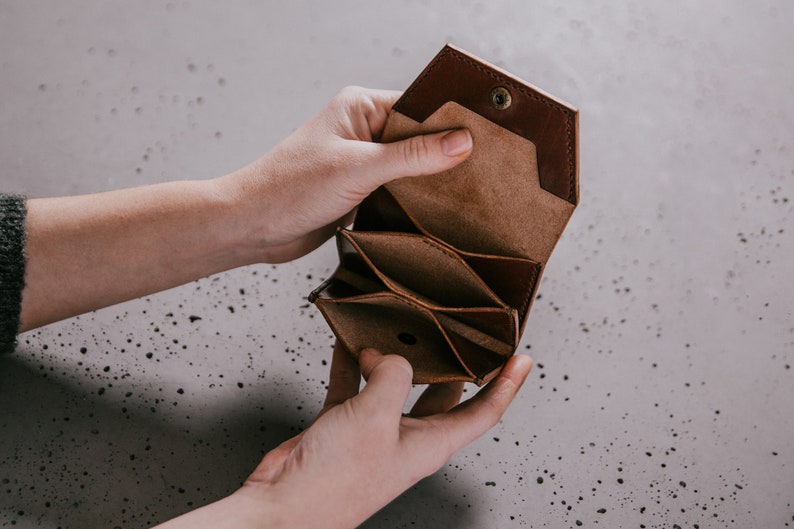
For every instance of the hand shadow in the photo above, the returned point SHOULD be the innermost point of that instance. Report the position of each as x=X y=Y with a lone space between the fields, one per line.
x=74 y=458
x=429 y=503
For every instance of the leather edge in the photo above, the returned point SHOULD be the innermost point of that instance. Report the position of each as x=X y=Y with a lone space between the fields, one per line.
x=417 y=108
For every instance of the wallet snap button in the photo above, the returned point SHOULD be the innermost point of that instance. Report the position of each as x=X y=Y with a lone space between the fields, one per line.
x=407 y=338
x=500 y=98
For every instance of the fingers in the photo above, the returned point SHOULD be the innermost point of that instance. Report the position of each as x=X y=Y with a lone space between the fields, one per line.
x=382 y=101
x=345 y=377
x=421 y=155
x=438 y=398
x=366 y=110
x=360 y=114
x=388 y=381
x=477 y=415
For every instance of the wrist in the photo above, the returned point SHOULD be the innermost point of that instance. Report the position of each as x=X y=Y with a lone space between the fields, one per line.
x=239 y=510
x=240 y=217
x=264 y=510
x=262 y=212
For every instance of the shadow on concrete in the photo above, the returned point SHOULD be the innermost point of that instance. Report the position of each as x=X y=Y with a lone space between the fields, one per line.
x=71 y=458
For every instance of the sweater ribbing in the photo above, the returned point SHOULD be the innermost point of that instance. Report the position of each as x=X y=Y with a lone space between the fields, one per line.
x=12 y=267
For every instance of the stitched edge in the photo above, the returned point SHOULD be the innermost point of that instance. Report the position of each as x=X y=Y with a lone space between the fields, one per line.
x=531 y=292
x=524 y=90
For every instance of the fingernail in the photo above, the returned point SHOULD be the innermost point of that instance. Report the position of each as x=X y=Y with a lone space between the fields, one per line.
x=456 y=142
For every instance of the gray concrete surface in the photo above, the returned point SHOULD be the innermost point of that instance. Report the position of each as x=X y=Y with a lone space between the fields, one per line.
x=663 y=394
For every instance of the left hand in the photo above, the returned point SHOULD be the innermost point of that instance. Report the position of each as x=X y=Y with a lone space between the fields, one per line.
x=87 y=252
x=294 y=197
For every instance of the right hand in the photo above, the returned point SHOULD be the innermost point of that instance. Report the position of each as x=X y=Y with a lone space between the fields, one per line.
x=362 y=452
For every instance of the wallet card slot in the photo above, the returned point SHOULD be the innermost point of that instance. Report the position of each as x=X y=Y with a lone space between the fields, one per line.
x=331 y=289
x=380 y=211
x=344 y=284
x=395 y=326
x=478 y=360
x=361 y=283
x=469 y=330
x=492 y=328
x=514 y=280
x=417 y=266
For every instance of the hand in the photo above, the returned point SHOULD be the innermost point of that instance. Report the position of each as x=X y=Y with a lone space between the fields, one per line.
x=361 y=452
x=295 y=197
x=88 y=252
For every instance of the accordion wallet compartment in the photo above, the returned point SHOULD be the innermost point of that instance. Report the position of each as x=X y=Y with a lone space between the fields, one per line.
x=417 y=266
x=389 y=323
x=443 y=269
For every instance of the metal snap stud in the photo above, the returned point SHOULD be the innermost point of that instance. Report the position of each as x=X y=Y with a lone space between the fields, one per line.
x=500 y=98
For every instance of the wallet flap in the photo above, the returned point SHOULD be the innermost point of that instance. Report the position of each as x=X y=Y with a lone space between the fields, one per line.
x=498 y=96
x=491 y=203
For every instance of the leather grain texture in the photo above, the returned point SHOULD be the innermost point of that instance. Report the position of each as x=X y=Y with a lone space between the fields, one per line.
x=443 y=269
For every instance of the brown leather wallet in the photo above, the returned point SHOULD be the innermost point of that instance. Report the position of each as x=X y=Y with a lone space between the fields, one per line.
x=443 y=269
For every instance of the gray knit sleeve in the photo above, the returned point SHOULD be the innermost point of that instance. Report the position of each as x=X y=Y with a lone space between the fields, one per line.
x=12 y=267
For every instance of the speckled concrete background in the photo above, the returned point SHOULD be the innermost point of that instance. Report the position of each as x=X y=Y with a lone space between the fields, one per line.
x=663 y=394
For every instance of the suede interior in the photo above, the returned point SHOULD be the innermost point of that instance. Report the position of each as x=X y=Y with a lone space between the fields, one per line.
x=443 y=269
x=492 y=203
x=411 y=263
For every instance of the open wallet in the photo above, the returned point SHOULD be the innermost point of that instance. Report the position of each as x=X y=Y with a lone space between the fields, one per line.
x=443 y=269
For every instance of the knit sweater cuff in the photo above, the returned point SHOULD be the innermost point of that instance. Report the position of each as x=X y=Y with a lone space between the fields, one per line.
x=12 y=267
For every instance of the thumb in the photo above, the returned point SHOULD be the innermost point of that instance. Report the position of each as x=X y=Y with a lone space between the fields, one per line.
x=422 y=155
x=388 y=381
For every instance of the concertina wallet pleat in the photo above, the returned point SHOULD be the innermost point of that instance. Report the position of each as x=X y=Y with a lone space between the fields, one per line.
x=443 y=269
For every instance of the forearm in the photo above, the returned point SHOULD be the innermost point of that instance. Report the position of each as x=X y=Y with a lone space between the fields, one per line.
x=91 y=251
x=240 y=510
x=87 y=252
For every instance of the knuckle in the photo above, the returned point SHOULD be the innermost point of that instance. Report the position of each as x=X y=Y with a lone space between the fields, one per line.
x=350 y=93
x=415 y=153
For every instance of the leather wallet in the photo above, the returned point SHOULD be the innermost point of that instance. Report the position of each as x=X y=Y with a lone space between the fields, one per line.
x=443 y=269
